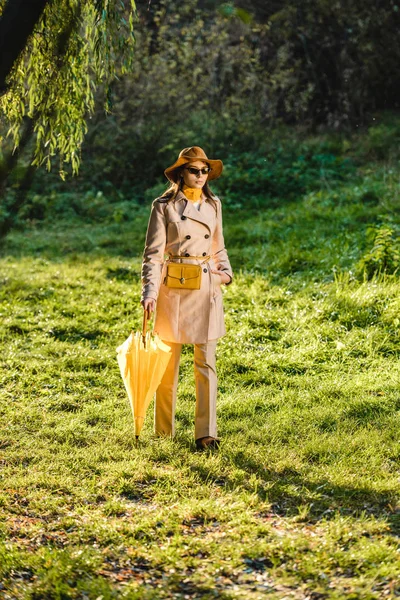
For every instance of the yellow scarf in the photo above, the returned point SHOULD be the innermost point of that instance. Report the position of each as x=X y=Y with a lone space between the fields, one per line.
x=192 y=194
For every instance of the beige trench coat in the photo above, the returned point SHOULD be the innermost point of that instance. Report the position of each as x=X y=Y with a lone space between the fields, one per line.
x=178 y=228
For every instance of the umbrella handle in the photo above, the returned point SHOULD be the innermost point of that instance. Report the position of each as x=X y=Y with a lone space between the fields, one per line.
x=146 y=317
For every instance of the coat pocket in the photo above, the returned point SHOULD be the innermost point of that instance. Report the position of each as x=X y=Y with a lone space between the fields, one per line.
x=217 y=280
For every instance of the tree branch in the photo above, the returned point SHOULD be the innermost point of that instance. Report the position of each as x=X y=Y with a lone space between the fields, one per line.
x=12 y=160
x=17 y=23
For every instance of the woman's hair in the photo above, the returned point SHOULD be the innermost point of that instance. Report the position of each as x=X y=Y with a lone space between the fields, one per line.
x=171 y=193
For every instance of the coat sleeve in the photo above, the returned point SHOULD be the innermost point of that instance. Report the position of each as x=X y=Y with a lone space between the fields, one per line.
x=219 y=252
x=153 y=255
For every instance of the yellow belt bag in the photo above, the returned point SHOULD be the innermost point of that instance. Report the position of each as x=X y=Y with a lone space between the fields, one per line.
x=183 y=276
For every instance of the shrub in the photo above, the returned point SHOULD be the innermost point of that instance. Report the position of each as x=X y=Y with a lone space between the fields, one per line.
x=384 y=256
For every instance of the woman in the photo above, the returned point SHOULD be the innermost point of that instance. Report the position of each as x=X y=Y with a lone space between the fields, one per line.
x=186 y=225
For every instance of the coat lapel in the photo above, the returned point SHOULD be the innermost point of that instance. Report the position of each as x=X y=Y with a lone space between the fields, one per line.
x=205 y=215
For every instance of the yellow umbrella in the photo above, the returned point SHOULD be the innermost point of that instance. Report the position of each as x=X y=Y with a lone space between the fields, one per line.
x=142 y=360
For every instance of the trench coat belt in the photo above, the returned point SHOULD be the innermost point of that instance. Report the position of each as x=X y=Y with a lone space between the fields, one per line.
x=202 y=258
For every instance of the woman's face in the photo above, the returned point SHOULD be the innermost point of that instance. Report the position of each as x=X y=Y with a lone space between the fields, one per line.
x=197 y=179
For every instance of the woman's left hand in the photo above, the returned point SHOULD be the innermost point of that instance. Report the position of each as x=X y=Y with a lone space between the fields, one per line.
x=225 y=278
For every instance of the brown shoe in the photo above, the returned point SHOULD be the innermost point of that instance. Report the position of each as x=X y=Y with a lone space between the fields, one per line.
x=207 y=443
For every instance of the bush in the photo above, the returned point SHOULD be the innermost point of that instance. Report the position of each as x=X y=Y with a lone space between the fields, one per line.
x=283 y=172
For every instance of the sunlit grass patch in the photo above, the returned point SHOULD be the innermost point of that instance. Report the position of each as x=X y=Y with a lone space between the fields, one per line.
x=302 y=500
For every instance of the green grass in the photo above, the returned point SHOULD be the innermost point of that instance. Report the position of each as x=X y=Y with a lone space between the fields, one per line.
x=301 y=501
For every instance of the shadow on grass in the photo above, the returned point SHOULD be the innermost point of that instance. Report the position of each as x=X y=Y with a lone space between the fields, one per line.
x=80 y=240
x=66 y=240
x=291 y=494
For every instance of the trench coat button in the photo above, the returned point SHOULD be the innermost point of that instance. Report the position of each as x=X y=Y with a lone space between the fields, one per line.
x=206 y=236
x=204 y=253
x=204 y=270
x=183 y=218
x=188 y=237
x=187 y=254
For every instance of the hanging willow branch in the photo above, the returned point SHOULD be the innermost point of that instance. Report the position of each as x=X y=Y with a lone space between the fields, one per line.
x=15 y=31
x=75 y=46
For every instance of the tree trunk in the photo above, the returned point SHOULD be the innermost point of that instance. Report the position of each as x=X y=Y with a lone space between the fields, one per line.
x=11 y=160
x=17 y=22
x=19 y=201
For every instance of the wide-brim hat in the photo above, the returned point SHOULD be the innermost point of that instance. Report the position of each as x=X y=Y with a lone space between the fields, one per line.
x=188 y=155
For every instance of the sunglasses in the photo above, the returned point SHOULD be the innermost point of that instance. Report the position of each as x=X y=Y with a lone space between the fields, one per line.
x=194 y=171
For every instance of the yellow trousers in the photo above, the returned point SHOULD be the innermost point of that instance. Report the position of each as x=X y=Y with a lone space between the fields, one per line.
x=206 y=391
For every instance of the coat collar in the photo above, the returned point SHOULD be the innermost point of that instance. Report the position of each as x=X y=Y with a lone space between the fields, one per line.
x=205 y=215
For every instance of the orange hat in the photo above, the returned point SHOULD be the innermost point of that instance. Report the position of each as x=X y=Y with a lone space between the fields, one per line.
x=188 y=155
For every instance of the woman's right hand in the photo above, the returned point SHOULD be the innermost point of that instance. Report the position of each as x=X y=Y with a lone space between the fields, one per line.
x=149 y=304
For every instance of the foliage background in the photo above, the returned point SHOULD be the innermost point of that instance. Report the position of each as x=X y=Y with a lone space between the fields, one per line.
x=232 y=77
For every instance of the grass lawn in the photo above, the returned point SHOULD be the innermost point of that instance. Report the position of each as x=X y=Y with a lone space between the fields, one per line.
x=301 y=501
